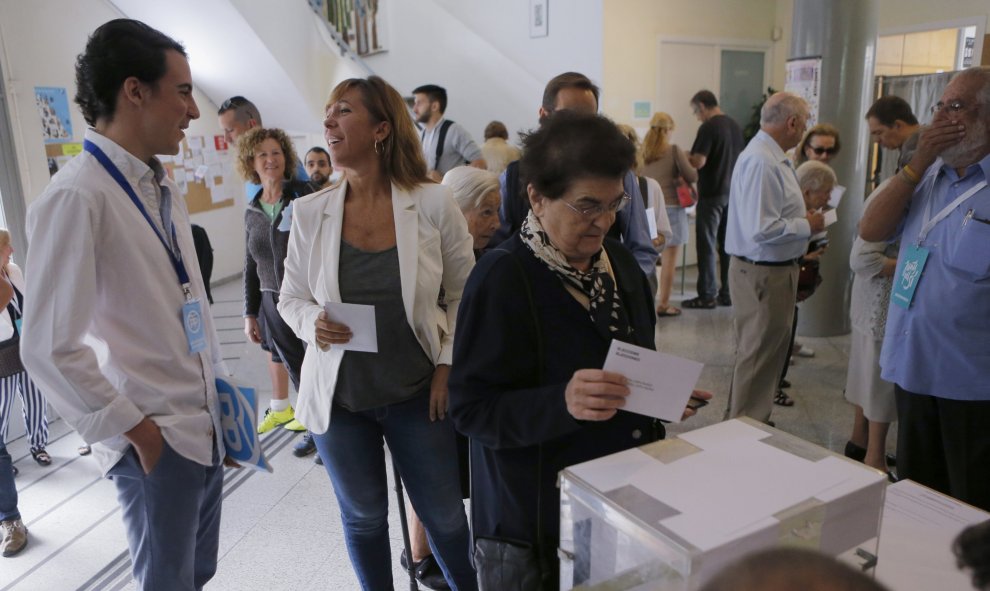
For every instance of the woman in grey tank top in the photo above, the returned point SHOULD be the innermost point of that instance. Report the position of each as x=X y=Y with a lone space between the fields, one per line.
x=384 y=237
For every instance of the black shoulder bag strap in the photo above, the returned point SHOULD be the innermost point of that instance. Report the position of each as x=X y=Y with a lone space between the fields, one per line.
x=643 y=190
x=441 y=138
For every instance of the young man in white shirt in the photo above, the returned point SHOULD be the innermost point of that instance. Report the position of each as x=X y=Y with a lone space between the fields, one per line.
x=122 y=336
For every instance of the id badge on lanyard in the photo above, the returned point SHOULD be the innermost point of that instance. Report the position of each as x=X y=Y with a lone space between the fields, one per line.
x=192 y=309
x=912 y=265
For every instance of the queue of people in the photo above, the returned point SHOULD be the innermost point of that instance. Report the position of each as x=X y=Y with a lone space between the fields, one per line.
x=490 y=336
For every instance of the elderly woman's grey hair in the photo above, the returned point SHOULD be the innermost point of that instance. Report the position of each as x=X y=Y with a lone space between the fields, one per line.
x=780 y=106
x=470 y=185
x=814 y=176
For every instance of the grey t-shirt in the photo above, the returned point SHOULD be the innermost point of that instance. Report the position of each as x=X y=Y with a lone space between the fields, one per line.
x=458 y=148
x=401 y=369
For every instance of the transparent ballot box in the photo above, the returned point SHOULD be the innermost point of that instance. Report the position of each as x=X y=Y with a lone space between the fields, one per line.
x=669 y=515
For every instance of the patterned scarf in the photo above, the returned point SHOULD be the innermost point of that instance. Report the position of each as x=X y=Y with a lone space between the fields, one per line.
x=606 y=310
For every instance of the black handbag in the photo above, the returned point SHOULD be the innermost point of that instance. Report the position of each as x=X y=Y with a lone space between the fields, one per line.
x=513 y=565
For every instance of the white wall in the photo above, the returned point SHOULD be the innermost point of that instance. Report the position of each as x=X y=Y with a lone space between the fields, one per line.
x=481 y=52
x=39 y=42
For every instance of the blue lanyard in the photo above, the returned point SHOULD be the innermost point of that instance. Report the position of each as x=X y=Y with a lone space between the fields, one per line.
x=113 y=171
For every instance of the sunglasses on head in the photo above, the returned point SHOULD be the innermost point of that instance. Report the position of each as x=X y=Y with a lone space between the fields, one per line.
x=820 y=151
x=233 y=102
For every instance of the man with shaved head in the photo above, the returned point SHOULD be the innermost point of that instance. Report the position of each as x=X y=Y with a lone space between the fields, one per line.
x=768 y=231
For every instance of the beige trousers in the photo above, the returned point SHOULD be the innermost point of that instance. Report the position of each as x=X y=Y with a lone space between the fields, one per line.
x=763 y=300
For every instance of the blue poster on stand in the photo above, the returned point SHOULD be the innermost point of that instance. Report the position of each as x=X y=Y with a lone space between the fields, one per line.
x=53 y=107
x=239 y=422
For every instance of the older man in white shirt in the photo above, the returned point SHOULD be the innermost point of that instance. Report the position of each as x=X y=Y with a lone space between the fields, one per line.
x=119 y=333
x=767 y=232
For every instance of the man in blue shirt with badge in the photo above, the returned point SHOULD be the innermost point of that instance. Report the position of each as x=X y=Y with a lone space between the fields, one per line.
x=123 y=340
x=937 y=344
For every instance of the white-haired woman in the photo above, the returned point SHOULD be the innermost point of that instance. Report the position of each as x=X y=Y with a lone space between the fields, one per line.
x=816 y=180
x=476 y=192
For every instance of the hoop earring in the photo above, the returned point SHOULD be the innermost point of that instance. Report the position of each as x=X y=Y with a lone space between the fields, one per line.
x=379 y=147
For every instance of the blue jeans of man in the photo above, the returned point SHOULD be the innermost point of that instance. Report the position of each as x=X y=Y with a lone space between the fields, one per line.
x=425 y=453
x=8 y=490
x=172 y=516
x=710 y=230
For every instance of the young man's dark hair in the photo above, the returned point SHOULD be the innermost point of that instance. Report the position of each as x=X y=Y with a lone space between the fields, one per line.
x=116 y=51
x=435 y=93
x=888 y=109
x=705 y=98
x=318 y=150
x=566 y=80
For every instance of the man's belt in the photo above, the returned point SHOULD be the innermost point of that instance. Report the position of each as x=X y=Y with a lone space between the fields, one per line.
x=786 y=263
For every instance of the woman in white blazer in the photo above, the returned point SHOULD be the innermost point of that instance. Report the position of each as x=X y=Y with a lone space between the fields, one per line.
x=384 y=237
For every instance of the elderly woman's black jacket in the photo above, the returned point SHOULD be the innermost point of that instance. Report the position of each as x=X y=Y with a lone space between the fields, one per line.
x=512 y=409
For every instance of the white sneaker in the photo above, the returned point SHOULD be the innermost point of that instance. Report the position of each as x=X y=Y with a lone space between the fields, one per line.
x=805 y=351
x=14 y=537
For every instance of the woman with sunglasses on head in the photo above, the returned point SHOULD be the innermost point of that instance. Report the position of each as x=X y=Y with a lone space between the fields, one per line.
x=534 y=327
x=820 y=143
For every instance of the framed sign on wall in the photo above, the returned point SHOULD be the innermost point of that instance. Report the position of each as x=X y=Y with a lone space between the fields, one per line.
x=538 y=19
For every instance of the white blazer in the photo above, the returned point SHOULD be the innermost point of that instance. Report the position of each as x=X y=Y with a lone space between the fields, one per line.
x=435 y=250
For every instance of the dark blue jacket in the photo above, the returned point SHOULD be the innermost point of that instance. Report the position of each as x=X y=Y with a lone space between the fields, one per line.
x=514 y=410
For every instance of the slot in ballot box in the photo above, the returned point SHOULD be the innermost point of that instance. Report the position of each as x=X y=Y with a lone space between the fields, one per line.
x=669 y=515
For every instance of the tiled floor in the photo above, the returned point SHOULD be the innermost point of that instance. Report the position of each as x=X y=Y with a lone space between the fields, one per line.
x=283 y=531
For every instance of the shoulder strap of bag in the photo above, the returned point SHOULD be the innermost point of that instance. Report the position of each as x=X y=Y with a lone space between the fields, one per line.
x=441 y=138
x=644 y=192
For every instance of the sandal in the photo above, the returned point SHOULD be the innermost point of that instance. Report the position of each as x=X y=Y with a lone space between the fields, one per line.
x=782 y=399
x=698 y=304
x=41 y=456
x=668 y=311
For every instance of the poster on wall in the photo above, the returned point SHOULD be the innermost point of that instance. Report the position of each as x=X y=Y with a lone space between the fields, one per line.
x=53 y=108
x=539 y=25
x=804 y=78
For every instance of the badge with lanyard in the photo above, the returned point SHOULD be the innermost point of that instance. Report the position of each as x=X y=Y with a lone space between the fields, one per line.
x=913 y=260
x=192 y=309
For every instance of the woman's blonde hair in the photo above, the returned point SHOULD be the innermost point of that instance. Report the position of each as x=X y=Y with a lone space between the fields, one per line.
x=401 y=152
x=632 y=136
x=657 y=140
x=826 y=129
x=470 y=185
x=250 y=141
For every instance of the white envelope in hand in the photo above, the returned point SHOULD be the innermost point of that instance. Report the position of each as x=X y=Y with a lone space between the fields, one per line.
x=361 y=320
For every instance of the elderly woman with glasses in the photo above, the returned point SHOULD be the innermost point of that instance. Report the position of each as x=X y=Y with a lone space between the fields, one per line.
x=535 y=323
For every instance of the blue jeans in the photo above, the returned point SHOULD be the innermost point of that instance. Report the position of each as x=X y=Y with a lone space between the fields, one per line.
x=172 y=517
x=8 y=490
x=426 y=455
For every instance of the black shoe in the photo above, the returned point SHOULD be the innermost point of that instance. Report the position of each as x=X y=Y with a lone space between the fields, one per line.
x=14 y=469
x=854 y=452
x=428 y=572
x=785 y=384
x=305 y=446
x=723 y=300
x=318 y=460
x=698 y=303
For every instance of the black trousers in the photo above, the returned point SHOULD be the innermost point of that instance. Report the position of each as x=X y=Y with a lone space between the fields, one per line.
x=945 y=445
x=281 y=340
x=710 y=233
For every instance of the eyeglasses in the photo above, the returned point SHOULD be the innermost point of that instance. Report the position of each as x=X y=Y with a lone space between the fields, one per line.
x=953 y=107
x=819 y=150
x=593 y=211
